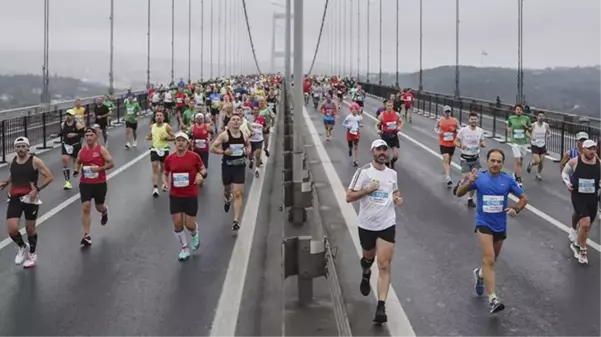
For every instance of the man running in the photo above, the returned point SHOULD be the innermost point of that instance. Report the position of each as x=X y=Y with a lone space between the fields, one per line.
x=572 y=153
x=133 y=111
x=93 y=160
x=24 y=200
x=388 y=125
x=540 y=132
x=446 y=128
x=183 y=171
x=376 y=187
x=235 y=148
x=200 y=135
x=519 y=127
x=470 y=139
x=257 y=128
x=582 y=176
x=72 y=132
x=352 y=123
x=493 y=187
x=101 y=112
x=160 y=135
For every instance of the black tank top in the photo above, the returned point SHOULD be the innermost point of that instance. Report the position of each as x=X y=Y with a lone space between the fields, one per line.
x=237 y=158
x=271 y=99
x=22 y=176
x=585 y=179
x=67 y=129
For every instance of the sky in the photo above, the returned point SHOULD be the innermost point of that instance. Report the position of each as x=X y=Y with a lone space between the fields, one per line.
x=556 y=33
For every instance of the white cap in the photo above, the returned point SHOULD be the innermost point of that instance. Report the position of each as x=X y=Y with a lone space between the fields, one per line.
x=446 y=108
x=377 y=143
x=588 y=144
x=183 y=135
x=22 y=140
x=581 y=135
x=199 y=115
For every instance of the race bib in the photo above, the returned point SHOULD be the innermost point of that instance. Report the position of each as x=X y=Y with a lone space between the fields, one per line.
x=237 y=149
x=159 y=152
x=492 y=203
x=391 y=125
x=472 y=149
x=378 y=197
x=79 y=118
x=88 y=173
x=26 y=199
x=539 y=142
x=270 y=105
x=316 y=94
x=448 y=136
x=586 y=186
x=359 y=98
x=216 y=102
x=180 y=179
x=519 y=134
x=200 y=143
x=68 y=148
x=179 y=100
x=353 y=131
x=131 y=111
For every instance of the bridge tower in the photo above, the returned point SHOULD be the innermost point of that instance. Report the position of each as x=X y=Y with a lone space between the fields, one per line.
x=277 y=52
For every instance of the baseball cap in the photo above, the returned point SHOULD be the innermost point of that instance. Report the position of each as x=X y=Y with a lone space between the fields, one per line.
x=89 y=129
x=588 y=144
x=70 y=112
x=377 y=143
x=581 y=135
x=446 y=108
x=182 y=135
x=22 y=140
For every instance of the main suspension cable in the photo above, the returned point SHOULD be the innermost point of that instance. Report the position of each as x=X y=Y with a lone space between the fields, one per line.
x=250 y=37
x=323 y=18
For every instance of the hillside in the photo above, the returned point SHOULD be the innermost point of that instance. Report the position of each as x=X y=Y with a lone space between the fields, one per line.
x=575 y=90
x=25 y=90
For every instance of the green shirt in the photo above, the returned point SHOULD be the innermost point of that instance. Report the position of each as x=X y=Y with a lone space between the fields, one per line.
x=519 y=125
x=131 y=111
x=188 y=117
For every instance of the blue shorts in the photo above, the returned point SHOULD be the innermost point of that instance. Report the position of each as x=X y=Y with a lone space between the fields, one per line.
x=328 y=121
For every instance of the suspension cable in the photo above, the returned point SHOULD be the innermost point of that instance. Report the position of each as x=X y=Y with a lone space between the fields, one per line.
x=250 y=37
x=323 y=19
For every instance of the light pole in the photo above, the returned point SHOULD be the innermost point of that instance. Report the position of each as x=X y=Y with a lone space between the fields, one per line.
x=520 y=95
x=112 y=20
x=173 y=41
x=421 y=38
x=380 y=75
x=351 y=40
x=202 y=39
x=189 y=41
x=211 y=49
x=397 y=45
x=219 y=38
x=457 y=93
x=368 y=47
x=358 y=38
x=344 y=32
x=288 y=46
x=148 y=49
x=45 y=72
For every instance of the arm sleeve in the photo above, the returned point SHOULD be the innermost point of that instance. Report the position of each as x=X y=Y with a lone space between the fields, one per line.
x=566 y=173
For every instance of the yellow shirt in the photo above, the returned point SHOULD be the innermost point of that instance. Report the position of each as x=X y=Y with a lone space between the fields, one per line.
x=80 y=115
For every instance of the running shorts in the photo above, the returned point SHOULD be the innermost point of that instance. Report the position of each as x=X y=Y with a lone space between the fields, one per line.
x=368 y=238
x=186 y=205
x=93 y=191
x=16 y=208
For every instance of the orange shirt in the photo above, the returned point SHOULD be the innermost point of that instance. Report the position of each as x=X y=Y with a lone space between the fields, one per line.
x=448 y=128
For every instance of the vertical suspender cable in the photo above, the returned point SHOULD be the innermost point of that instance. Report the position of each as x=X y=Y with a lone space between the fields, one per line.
x=211 y=38
x=202 y=39
x=368 y=46
x=380 y=74
x=148 y=49
x=189 y=41
x=397 y=45
x=172 y=40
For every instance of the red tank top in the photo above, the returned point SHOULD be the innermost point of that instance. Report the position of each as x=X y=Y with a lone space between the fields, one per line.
x=200 y=137
x=389 y=122
x=92 y=157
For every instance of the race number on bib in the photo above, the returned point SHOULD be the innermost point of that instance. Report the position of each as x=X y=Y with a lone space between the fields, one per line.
x=270 y=105
x=237 y=149
x=492 y=203
x=519 y=134
x=159 y=152
x=586 y=186
x=540 y=142
x=378 y=197
x=180 y=179
x=26 y=199
x=391 y=125
x=179 y=100
x=88 y=173
x=68 y=148
x=353 y=131
x=447 y=136
x=131 y=111
x=200 y=143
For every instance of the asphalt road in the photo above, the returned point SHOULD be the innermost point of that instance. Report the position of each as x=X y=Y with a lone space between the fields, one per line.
x=546 y=292
x=130 y=281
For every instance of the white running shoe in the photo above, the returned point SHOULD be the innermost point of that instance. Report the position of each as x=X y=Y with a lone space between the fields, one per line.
x=135 y=144
x=573 y=235
x=31 y=260
x=127 y=145
x=155 y=192
x=22 y=254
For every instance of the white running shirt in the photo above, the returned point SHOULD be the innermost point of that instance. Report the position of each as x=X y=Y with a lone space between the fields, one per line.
x=168 y=98
x=352 y=123
x=471 y=138
x=376 y=210
x=539 y=134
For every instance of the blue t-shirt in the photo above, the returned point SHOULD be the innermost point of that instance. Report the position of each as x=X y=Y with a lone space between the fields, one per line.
x=492 y=199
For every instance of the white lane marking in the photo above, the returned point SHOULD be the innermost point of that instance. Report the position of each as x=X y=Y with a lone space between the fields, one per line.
x=398 y=323
x=531 y=208
x=225 y=321
x=46 y=216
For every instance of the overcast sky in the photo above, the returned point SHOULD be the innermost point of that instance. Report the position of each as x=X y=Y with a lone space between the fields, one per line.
x=556 y=32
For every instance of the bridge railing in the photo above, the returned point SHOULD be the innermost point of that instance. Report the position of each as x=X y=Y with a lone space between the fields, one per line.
x=41 y=108
x=492 y=116
x=43 y=128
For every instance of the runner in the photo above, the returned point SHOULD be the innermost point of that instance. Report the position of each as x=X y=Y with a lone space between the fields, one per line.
x=102 y=112
x=71 y=133
x=519 y=127
x=493 y=187
x=200 y=135
x=160 y=135
x=540 y=132
x=267 y=113
x=582 y=176
x=574 y=152
x=470 y=139
x=24 y=200
x=376 y=187
x=388 y=125
x=180 y=168
x=446 y=128
x=407 y=99
x=235 y=148
x=80 y=112
x=329 y=109
x=94 y=159
x=133 y=112
x=352 y=123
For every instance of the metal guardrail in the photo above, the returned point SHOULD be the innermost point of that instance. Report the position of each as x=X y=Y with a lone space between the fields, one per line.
x=41 y=108
x=493 y=117
x=42 y=128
